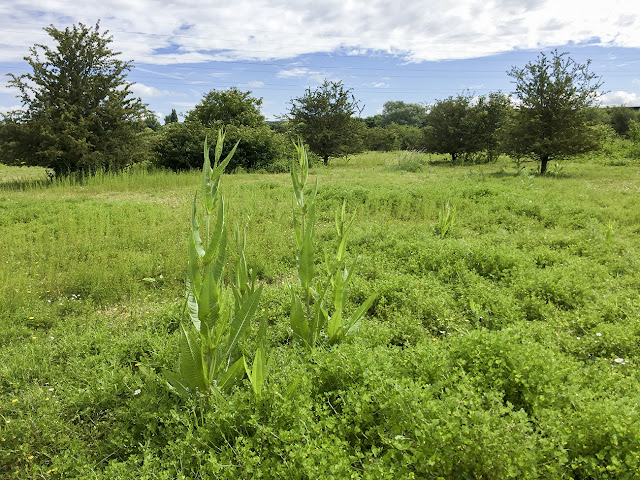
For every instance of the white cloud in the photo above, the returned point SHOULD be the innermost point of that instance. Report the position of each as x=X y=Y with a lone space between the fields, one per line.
x=312 y=75
x=158 y=32
x=255 y=84
x=294 y=72
x=377 y=85
x=620 y=97
x=145 y=91
x=5 y=110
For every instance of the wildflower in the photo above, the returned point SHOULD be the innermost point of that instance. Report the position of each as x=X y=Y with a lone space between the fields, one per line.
x=578 y=338
x=137 y=392
x=620 y=361
x=14 y=400
x=31 y=318
x=30 y=457
x=137 y=365
x=51 y=389
x=598 y=334
x=52 y=470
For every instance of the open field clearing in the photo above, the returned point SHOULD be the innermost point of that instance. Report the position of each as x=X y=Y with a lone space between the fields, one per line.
x=504 y=341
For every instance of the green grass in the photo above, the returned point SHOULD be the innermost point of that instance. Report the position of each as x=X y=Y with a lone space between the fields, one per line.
x=510 y=347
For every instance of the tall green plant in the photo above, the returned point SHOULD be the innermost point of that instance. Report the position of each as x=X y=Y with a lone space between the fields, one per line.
x=338 y=326
x=446 y=220
x=310 y=316
x=210 y=357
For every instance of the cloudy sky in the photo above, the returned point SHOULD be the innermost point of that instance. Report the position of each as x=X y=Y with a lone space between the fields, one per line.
x=411 y=50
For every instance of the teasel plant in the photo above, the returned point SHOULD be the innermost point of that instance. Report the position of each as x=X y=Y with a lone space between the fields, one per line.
x=211 y=361
x=312 y=318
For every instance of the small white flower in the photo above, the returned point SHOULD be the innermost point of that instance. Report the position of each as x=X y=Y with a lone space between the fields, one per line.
x=51 y=389
x=620 y=361
x=137 y=392
x=578 y=338
x=598 y=334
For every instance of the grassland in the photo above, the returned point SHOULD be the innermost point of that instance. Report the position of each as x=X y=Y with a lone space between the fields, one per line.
x=507 y=349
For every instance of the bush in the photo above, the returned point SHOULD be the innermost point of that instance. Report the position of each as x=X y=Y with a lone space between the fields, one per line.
x=259 y=148
x=178 y=146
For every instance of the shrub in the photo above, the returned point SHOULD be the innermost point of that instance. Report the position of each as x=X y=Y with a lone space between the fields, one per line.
x=179 y=147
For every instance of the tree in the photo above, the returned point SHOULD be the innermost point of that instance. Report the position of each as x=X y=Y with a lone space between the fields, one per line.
x=171 y=118
x=492 y=113
x=228 y=107
x=324 y=119
x=150 y=121
x=550 y=119
x=78 y=111
x=403 y=114
x=451 y=127
x=621 y=118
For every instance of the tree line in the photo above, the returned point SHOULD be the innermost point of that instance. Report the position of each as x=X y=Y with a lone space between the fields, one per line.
x=79 y=115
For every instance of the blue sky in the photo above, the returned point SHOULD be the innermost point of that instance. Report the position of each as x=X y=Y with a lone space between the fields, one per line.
x=418 y=53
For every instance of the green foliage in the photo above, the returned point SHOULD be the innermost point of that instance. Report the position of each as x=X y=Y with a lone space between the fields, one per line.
x=464 y=126
x=171 y=118
x=402 y=113
x=409 y=162
x=551 y=121
x=310 y=316
x=621 y=119
x=522 y=324
x=78 y=111
x=228 y=107
x=178 y=147
x=446 y=220
x=210 y=360
x=324 y=119
x=150 y=121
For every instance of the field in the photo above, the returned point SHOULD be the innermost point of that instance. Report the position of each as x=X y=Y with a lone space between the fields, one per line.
x=505 y=347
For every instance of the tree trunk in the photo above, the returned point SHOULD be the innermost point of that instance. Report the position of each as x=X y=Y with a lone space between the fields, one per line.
x=326 y=160
x=543 y=166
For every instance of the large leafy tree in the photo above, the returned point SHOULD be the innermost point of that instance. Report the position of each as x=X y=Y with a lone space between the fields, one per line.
x=324 y=118
x=78 y=111
x=171 y=118
x=550 y=120
x=452 y=126
x=403 y=113
x=228 y=107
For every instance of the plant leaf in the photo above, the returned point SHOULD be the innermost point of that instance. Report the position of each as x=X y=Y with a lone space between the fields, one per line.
x=175 y=384
x=354 y=320
x=232 y=376
x=298 y=320
x=218 y=232
x=220 y=168
x=195 y=229
x=191 y=361
x=242 y=319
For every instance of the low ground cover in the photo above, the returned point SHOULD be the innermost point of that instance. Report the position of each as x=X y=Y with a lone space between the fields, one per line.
x=507 y=347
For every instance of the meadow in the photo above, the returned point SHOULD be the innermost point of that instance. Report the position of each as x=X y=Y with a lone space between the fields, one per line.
x=502 y=343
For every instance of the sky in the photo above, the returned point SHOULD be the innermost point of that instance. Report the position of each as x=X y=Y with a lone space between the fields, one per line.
x=414 y=51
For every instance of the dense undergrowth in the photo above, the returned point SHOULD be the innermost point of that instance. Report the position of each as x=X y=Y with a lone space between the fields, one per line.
x=506 y=348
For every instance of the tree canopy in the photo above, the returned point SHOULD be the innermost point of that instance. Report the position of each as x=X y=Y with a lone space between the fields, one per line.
x=324 y=118
x=228 y=107
x=403 y=113
x=552 y=94
x=451 y=126
x=78 y=110
x=171 y=118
